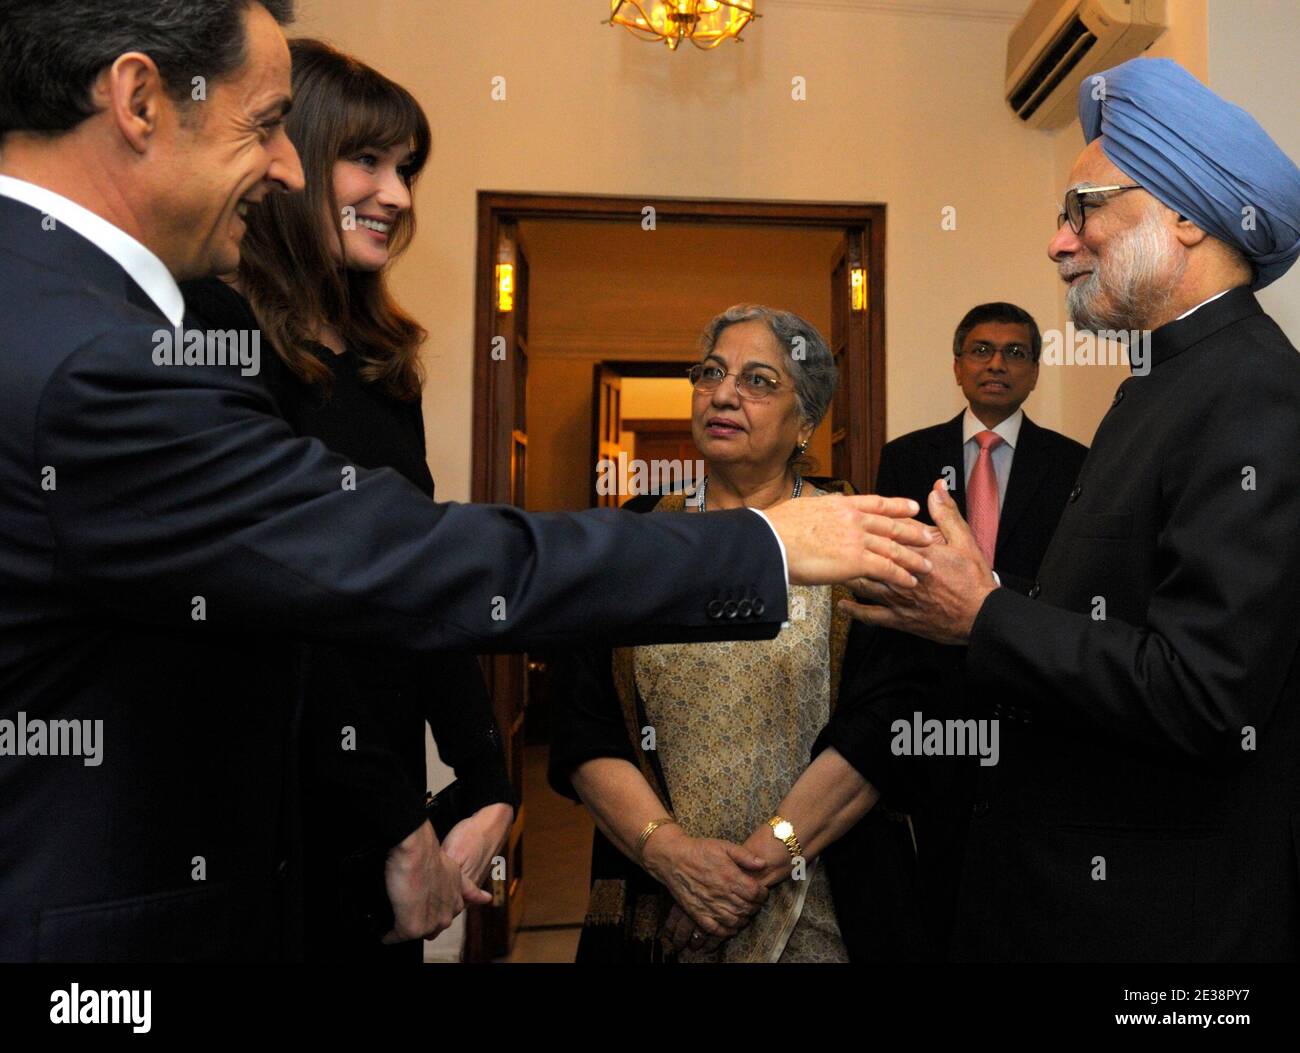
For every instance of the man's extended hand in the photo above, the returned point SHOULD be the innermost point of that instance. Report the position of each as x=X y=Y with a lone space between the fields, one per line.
x=943 y=605
x=425 y=887
x=837 y=539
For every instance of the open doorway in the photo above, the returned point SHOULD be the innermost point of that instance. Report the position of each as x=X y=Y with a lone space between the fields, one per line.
x=588 y=314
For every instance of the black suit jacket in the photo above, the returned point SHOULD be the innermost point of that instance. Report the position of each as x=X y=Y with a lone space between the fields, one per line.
x=918 y=676
x=162 y=533
x=1147 y=807
x=1043 y=471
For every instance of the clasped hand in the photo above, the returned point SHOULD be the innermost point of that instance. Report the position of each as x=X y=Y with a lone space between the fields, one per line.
x=717 y=886
x=430 y=884
x=944 y=602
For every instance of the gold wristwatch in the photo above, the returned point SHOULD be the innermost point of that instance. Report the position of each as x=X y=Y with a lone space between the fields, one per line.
x=783 y=830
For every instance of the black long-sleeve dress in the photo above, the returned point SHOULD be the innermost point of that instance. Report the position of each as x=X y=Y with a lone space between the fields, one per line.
x=362 y=735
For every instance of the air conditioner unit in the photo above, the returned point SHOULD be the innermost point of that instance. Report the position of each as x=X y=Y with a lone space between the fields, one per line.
x=1058 y=43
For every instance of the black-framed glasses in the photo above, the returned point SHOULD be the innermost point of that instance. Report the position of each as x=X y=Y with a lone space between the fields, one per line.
x=1014 y=354
x=1075 y=205
x=750 y=383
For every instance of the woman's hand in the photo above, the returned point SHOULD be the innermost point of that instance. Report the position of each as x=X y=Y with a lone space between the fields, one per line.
x=712 y=880
x=773 y=853
x=680 y=932
x=473 y=842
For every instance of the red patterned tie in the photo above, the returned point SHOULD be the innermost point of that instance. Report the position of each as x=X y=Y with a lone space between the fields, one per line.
x=982 y=495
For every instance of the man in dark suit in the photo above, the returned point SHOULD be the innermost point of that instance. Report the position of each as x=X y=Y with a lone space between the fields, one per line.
x=1026 y=473
x=1147 y=802
x=163 y=534
x=996 y=350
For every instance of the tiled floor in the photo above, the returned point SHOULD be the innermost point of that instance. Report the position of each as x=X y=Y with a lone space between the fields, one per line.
x=557 y=858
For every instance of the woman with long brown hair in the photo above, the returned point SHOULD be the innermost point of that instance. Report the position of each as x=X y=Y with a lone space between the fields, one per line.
x=345 y=369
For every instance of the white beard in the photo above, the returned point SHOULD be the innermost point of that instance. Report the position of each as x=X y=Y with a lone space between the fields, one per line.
x=1141 y=270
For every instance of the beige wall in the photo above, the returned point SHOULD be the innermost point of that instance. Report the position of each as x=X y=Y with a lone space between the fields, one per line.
x=1252 y=62
x=903 y=107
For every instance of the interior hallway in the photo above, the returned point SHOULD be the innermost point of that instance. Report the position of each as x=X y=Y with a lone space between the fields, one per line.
x=557 y=857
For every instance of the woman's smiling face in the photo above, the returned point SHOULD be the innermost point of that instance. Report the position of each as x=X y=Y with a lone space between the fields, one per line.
x=374 y=184
x=730 y=429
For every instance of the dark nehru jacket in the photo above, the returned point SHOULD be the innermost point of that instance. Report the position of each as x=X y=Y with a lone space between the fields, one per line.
x=1147 y=802
x=179 y=491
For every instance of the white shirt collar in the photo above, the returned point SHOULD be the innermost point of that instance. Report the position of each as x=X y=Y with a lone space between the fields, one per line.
x=1009 y=429
x=1202 y=304
x=146 y=269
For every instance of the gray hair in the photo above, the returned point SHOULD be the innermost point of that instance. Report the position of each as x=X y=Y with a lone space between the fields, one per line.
x=807 y=357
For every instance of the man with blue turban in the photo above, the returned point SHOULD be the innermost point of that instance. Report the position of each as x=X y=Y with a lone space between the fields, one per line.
x=1147 y=801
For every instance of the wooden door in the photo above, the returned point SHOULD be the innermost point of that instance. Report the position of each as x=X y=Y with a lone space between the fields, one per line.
x=490 y=930
x=606 y=436
x=853 y=453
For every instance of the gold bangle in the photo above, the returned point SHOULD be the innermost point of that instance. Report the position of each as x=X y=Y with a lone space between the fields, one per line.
x=650 y=828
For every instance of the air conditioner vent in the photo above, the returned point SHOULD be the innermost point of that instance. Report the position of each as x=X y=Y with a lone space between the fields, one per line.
x=1059 y=43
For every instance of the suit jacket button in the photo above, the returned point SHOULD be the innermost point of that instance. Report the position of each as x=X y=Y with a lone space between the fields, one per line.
x=758 y=608
x=714 y=609
x=729 y=609
x=1075 y=493
x=744 y=608
x=1033 y=593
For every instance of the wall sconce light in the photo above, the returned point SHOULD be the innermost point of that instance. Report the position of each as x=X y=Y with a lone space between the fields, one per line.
x=858 y=288
x=505 y=287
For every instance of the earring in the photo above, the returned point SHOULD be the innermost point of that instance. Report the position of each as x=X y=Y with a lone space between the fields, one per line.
x=803 y=446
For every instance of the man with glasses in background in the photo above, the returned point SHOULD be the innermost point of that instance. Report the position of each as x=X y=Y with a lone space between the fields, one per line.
x=1009 y=476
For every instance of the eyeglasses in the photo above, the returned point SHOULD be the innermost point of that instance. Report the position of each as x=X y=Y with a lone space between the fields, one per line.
x=1015 y=354
x=1074 y=206
x=750 y=384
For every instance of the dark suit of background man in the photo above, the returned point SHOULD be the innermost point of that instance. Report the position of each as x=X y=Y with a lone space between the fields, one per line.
x=995 y=349
x=1147 y=804
x=162 y=531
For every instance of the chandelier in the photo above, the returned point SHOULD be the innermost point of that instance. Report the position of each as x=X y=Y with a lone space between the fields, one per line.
x=705 y=23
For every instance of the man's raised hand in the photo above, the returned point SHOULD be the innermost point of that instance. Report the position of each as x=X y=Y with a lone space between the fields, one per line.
x=837 y=539
x=943 y=605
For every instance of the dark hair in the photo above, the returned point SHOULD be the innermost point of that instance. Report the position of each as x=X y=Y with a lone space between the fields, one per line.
x=287 y=268
x=51 y=51
x=1007 y=314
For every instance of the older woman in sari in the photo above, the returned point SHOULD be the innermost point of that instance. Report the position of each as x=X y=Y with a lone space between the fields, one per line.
x=694 y=759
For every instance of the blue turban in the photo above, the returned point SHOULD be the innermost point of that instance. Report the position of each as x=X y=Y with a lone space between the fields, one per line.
x=1199 y=155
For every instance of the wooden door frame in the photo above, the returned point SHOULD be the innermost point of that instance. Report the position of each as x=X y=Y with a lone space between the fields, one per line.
x=493 y=435
x=867 y=431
